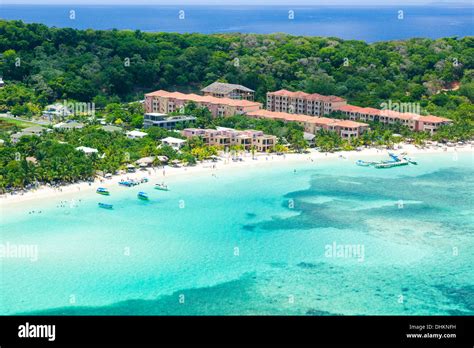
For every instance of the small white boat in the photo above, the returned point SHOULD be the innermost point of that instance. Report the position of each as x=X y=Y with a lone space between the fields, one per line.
x=391 y=164
x=161 y=187
x=105 y=206
x=103 y=191
x=363 y=163
x=410 y=160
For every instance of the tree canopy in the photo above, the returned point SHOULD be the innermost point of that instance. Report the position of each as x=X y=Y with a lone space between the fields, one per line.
x=48 y=64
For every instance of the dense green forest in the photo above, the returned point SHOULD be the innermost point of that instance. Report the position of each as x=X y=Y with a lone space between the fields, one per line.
x=41 y=65
x=53 y=158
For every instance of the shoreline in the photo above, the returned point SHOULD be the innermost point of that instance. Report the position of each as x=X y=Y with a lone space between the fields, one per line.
x=160 y=174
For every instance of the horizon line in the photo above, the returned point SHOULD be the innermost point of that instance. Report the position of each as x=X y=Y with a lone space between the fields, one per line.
x=325 y=3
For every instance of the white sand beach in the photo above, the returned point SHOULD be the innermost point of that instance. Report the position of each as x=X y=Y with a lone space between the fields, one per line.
x=160 y=174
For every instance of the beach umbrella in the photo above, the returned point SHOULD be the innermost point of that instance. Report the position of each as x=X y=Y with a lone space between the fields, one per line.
x=146 y=160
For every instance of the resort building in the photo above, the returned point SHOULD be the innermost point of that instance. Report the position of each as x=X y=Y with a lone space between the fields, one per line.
x=309 y=138
x=303 y=103
x=228 y=90
x=431 y=123
x=415 y=122
x=312 y=124
x=175 y=143
x=135 y=134
x=167 y=102
x=225 y=137
x=164 y=121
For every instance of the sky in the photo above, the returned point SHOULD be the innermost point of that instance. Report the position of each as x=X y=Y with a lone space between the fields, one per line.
x=234 y=2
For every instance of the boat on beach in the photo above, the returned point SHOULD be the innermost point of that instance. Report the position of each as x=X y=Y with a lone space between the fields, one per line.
x=130 y=183
x=363 y=163
x=394 y=161
x=161 y=187
x=410 y=160
x=105 y=206
x=391 y=164
x=143 y=196
x=103 y=191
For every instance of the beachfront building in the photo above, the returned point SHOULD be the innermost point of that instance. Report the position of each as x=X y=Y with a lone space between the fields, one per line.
x=167 y=102
x=303 y=103
x=226 y=137
x=175 y=143
x=312 y=124
x=414 y=122
x=309 y=137
x=431 y=123
x=135 y=134
x=228 y=90
x=156 y=119
x=33 y=130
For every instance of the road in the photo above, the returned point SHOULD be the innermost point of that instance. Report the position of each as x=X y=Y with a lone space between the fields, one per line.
x=38 y=122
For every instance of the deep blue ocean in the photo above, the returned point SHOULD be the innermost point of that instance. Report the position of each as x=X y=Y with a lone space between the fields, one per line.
x=360 y=23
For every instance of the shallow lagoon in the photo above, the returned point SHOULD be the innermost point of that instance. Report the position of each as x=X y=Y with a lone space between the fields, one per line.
x=254 y=241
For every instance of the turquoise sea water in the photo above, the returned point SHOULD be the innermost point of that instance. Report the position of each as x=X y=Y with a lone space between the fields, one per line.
x=415 y=224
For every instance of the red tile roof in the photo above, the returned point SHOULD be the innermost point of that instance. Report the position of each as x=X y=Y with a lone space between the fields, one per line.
x=303 y=95
x=434 y=119
x=392 y=114
x=305 y=118
x=324 y=121
x=350 y=124
x=372 y=111
x=202 y=99
x=350 y=108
